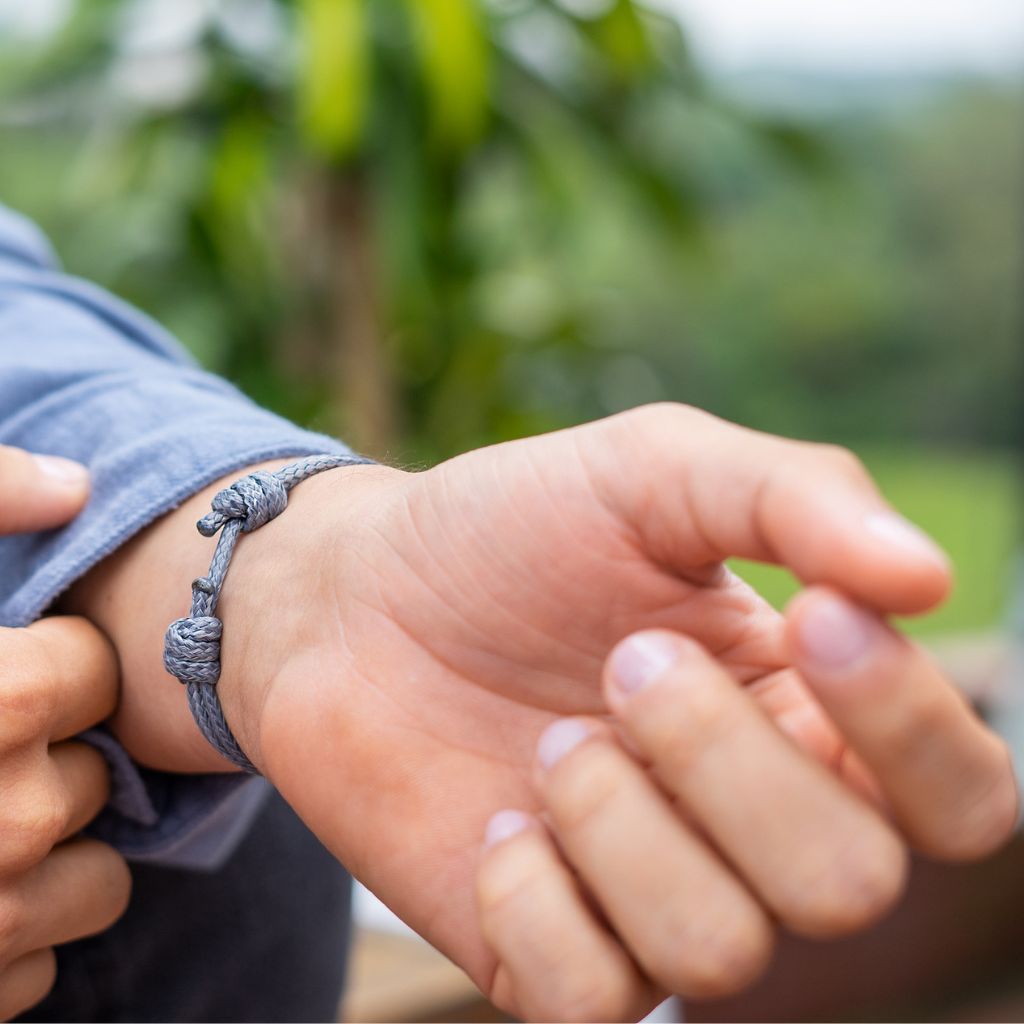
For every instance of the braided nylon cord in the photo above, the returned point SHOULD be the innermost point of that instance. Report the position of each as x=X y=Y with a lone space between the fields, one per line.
x=192 y=644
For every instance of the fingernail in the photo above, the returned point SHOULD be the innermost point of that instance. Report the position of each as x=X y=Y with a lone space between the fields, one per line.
x=641 y=658
x=558 y=739
x=504 y=825
x=64 y=470
x=834 y=634
x=897 y=532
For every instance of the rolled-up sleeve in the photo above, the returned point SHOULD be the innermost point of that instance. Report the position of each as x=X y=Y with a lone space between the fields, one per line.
x=85 y=376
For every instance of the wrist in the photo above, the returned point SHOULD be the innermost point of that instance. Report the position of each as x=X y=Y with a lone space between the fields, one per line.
x=140 y=589
x=281 y=587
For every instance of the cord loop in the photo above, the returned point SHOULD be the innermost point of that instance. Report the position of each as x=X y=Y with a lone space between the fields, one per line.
x=192 y=644
x=254 y=500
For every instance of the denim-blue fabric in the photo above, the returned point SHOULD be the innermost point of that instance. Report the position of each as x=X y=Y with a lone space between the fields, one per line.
x=85 y=376
x=264 y=938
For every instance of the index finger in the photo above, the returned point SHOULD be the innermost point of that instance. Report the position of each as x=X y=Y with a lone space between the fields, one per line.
x=58 y=677
x=947 y=778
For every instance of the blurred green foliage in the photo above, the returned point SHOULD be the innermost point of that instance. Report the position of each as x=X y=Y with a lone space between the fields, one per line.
x=435 y=224
x=402 y=220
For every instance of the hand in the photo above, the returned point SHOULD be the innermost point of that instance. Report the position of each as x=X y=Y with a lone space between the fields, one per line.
x=465 y=608
x=396 y=643
x=693 y=823
x=58 y=677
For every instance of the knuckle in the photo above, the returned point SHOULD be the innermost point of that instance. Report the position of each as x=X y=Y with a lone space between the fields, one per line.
x=12 y=920
x=915 y=730
x=655 y=418
x=837 y=459
x=846 y=888
x=507 y=880
x=28 y=688
x=716 y=963
x=44 y=824
x=33 y=820
x=582 y=789
x=596 y=996
x=986 y=823
x=657 y=411
x=503 y=882
x=701 y=717
x=76 y=638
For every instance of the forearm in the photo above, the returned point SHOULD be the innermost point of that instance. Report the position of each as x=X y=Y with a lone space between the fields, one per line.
x=135 y=593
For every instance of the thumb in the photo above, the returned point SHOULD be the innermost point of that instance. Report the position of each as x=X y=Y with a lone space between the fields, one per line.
x=38 y=492
x=700 y=490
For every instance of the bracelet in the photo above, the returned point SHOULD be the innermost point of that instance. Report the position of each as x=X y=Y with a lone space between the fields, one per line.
x=192 y=644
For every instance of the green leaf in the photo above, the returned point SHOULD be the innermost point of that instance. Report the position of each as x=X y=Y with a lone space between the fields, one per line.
x=333 y=75
x=454 y=54
x=620 y=35
x=239 y=179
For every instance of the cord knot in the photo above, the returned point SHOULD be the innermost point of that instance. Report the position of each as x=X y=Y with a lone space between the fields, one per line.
x=192 y=649
x=254 y=500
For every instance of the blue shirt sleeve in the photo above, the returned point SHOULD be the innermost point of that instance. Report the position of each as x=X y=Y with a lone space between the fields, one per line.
x=85 y=376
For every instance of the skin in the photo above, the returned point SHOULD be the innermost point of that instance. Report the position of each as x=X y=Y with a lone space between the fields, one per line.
x=57 y=678
x=396 y=645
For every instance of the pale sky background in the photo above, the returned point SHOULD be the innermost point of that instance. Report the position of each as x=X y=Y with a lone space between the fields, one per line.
x=733 y=36
x=856 y=36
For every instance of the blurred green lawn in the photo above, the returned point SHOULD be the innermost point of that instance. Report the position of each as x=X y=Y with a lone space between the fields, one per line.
x=971 y=503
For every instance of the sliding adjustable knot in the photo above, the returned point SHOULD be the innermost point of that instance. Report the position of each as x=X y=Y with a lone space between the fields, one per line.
x=192 y=649
x=254 y=501
x=192 y=644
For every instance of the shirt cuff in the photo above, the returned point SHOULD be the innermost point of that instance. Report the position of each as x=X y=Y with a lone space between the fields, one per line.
x=193 y=822
x=184 y=821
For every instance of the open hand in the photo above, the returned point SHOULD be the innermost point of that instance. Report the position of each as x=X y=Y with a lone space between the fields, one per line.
x=458 y=612
x=396 y=644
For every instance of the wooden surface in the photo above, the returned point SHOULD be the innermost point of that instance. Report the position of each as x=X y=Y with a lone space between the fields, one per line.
x=400 y=978
x=954 y=951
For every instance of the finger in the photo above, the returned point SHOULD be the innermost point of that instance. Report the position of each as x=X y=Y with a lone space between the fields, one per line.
x=46 y=796
x=80 y=889
x=39 y=491
x=83 y=784
x=947 y=778
x=698 y=490
x=26 y=981
x=556 y=962
x=785 y=698
x=821 y=858
x=690 y=924
x=57 y=677
x=788 y=702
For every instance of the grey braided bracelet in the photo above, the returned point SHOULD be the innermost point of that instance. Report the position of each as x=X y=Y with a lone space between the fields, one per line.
x=192 y=644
